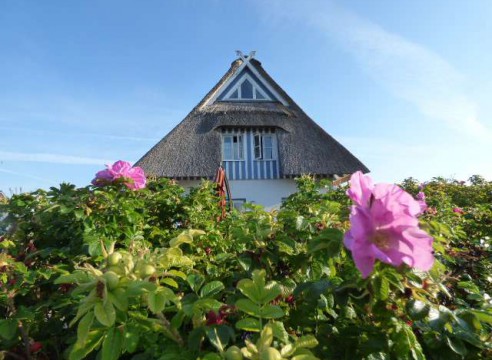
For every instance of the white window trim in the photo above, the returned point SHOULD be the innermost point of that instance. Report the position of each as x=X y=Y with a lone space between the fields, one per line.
x=243 y=152
x=256 y=88
x=245 y=64
x=274 y=146
x=241 y=201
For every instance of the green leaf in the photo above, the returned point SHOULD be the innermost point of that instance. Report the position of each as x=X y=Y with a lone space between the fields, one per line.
x=266 y=338
x=223 y=257
x=8 y=328
x=112 y=344
x=20 y=267
x=170 y=282
x=250 y=290
x=300 y=222
x=329 y=240
x=156 y=301
x=177 y=273
x=270 y=291
x=195 y=232
x=279 y=331
x=83 y=308
x=211 y=289
x=256 y=289
x=81 y=350
x=483 y=316
x=204 y=305
x=76 y=277
x=381 y=287
x=249 y=324
x=249 y=307
x=139 y=287
x=271 y=311
x=195 y=339
x=105 y=313
x=84 y=327
x=307 y=341
x=119 y=299
x=456 y=345
x=405 y=340
x=259 y=278
x=216 y=340
x=195 y=281
x=131 y=337
x=177 y=319
x=182 y=238
x=245 y=262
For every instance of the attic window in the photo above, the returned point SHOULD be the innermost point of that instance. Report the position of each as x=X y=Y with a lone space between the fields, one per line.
x=232 y=147
x=264 y=146
x=246 y=89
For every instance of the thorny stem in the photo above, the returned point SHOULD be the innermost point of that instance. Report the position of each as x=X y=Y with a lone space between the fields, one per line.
x=173 y=333
x=25 y=337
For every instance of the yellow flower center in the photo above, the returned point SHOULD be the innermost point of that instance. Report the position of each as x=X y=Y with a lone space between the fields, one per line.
x=381 y=240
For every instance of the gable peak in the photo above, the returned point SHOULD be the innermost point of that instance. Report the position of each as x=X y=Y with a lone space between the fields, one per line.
x=245 y=58
x=246 y=83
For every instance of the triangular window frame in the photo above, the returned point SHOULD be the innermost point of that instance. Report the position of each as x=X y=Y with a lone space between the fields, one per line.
x=256 y=90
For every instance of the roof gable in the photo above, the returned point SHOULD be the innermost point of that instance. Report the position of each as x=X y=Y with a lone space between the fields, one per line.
x=237 y=81
x=246 y=87
x=193 y=148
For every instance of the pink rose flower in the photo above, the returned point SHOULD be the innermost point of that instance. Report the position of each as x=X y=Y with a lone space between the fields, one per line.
x=384 y=226
x=458 y=210
x=132 y=177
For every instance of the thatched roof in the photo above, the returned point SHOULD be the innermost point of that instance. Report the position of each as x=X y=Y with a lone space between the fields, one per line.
x=193 y=148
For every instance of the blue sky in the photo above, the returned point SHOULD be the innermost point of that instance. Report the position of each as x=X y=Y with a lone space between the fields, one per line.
x=405 y=86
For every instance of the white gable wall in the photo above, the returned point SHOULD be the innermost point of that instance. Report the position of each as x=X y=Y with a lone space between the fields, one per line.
x=268 y=193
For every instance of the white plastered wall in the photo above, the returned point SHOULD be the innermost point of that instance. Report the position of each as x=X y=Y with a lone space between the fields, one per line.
x=268 y=193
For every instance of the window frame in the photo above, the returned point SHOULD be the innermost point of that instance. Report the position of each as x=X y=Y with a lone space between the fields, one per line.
x=259 y=146
x=240 y=147
x=239 y=201
x=256 y=89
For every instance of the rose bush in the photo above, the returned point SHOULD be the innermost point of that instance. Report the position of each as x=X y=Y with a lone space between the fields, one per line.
x=112 y=272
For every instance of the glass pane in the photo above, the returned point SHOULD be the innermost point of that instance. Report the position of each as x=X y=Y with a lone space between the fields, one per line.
x=238 y=203
x=267 y=147
x=234 y=95
x=227 y=148
x=259 y=96
x=246 y=90
x=240 y=147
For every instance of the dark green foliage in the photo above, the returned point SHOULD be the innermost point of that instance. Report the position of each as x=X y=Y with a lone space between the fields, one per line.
x=152 y=274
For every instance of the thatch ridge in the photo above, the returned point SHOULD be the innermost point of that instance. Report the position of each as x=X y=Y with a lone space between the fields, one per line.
x=193 y=148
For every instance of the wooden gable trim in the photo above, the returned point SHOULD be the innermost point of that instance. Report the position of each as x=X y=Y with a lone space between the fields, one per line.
x=239 y=70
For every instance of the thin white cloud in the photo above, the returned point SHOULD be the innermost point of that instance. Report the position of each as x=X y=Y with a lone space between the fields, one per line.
x=408 y=70
x=17 y=173
x=51 y=158
x=79 y=134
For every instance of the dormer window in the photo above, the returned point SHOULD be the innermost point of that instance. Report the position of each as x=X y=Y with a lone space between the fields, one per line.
x=264 y=146
x=246 y=89
x=232 y=147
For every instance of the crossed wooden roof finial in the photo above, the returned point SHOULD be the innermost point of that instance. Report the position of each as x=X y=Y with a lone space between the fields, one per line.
x=245 y=58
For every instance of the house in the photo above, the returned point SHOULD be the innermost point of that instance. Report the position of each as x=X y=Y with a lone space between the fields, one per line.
x=261 y=137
